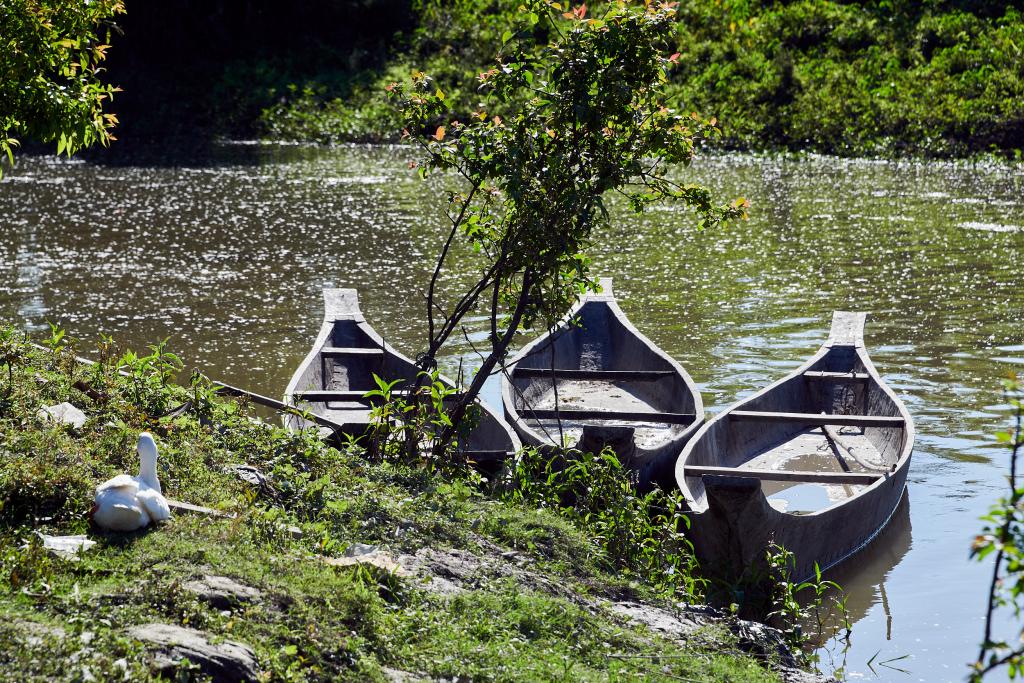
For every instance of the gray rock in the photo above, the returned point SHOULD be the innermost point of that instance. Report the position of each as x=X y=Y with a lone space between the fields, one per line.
x=377 y=558
x=676 y=626
x=794 y=675
x=221 y=592
x=398 y=676
x=763 y=640
x=449 y=572
x=682 y=621
x=66 y=547
x=249 y=474
x=64 y=413
x=227 y=661
x=35 y=634
x=357 y=549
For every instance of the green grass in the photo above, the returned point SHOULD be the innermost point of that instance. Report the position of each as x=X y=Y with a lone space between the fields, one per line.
x=547 y=620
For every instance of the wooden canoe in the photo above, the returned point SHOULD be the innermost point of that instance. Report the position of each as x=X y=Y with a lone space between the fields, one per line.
x=332 y=381
x=816 y=462
x=596 y=380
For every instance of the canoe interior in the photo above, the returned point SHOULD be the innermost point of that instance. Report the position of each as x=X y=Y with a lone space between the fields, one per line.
x=792 y=446
x=599 y=341
x=348 y=353
x=345 y=369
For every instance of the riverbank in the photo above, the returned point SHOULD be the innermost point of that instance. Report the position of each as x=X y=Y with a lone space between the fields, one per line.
x=319 y=564
x=866 y=79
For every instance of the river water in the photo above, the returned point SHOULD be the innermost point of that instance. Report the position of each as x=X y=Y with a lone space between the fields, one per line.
x=226 y=255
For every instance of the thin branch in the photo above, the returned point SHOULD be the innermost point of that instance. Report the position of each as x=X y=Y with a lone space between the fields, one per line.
x=1003 y=538
x=456 y=222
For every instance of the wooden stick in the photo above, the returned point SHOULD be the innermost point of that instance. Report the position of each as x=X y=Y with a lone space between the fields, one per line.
x=178 y=505
x=623 y=415
x=836 y=441
x=602 y=375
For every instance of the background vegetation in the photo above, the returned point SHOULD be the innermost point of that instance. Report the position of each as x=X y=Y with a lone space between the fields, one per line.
x=890 y=77
x=884 y=77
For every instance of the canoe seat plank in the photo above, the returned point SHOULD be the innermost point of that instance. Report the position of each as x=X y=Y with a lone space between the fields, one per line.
x=623 y=415
x=357 y=396
x=782 y=475
x=485 y=456
x=837 y=376
x=819 y=419
x=340 y=351
x=600 y=375
x=339 y=396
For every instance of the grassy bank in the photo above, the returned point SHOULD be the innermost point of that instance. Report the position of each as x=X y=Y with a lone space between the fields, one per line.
x=877 y=78
x=348 y=569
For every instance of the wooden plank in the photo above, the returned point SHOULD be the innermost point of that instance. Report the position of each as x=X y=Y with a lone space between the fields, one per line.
x=576 y=414
x=837 y=376
x=338 y=351
x=178 y=505
x=339 y=396
x=341 y=304
x=358 y=396
x=782 y=475
x=485 y=456
x=847 y=329
x=602 y=375
x=819 y=419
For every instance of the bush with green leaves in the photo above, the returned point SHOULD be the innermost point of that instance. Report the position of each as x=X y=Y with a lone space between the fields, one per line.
x=931 y=78
x=1002 y=543
x=51 y=56
x=876 y=77
x=638 y=534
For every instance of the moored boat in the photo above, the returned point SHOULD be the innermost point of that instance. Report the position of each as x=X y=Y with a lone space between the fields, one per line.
x=595 y=380
x=815 y=463
x=332 y=382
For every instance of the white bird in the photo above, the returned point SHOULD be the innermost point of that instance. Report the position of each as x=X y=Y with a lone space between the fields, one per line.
x=127 y=503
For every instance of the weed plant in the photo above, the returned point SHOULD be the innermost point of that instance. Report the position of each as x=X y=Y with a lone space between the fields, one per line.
x=637 y=534
x=1002 y=539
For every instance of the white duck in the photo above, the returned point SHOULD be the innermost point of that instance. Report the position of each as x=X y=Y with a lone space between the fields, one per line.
x=127 y=503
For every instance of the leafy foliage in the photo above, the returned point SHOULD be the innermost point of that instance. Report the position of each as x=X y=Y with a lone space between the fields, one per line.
x=404 y=427
x=793 y=605
x=935 y=78
x=50 y=67
x=641 y=535
x=1003 y=538
x=857 y=78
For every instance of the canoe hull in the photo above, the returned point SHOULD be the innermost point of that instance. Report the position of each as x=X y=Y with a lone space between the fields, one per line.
x=832 y=433
x=340 y=368
x=600 y=382
x=732 y=536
